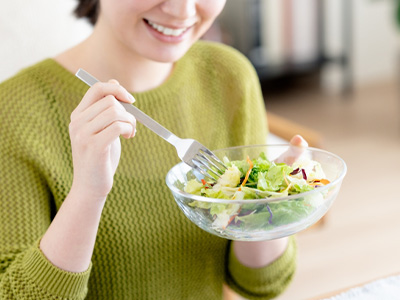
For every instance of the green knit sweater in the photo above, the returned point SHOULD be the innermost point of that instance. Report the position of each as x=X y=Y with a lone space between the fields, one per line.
x=146 y=248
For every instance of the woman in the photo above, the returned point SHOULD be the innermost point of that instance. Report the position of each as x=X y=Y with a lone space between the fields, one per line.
x=73 y=224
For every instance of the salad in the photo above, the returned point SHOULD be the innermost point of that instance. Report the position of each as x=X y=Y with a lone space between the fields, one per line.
x=259 y=179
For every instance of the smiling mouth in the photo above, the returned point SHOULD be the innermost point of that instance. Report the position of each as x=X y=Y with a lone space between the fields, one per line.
x=166 y=30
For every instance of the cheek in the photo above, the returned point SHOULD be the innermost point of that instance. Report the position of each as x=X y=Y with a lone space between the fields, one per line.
x=210 y=9
x=138 y=6
x=123 y=19
x=125 y=10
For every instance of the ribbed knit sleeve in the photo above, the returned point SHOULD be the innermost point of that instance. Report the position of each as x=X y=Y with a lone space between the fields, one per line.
x=26 y=204
x=32 y=276
x=262 y=283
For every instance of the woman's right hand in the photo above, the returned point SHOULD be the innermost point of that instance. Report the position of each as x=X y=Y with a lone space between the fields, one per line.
x=96 y=124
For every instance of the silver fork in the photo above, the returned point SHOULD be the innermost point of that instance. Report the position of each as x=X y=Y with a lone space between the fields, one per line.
x=189 y=151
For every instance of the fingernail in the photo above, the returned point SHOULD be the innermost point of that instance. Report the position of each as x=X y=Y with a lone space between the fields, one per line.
x=131 y=98
x=303 y=142
x=134 y=133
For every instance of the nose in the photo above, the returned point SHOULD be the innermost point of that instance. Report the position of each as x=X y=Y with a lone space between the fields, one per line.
x=179 y=8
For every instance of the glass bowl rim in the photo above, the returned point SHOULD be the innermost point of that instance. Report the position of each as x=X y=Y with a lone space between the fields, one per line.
x=261 y=200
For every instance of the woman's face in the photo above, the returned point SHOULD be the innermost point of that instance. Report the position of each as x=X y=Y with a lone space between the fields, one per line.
x=159 y=30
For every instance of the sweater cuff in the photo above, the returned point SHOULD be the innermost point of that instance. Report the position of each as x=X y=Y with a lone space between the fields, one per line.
x=262 y=283
x=53 y=279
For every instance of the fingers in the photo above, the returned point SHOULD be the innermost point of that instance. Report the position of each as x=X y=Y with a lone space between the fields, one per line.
x=100 y=109
x=100 y=106
x=99 y=91
x=297 y=146
x=110 y=116
x=110 y=133
x=122 y=123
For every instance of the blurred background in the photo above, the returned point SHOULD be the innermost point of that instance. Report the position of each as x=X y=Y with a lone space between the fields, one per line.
x=329 y=70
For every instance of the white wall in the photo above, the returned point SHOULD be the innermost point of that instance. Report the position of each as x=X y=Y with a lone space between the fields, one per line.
x=376 y=39
x=33 y=30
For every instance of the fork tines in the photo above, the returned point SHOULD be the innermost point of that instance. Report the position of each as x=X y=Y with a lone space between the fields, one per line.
x=206 y=162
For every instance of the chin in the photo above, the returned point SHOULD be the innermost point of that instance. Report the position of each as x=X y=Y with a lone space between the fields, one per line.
x=168 y=55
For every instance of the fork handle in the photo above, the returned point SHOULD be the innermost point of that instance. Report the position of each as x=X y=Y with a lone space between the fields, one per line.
x=136 y=112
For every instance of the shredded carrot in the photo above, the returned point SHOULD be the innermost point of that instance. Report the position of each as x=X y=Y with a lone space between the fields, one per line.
x=205 y=184
x=231 y=219
x=325 y=181
x=284 y=177
x=319 y=182
x=248 y=172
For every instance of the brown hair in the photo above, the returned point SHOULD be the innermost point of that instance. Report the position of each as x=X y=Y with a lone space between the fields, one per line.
x=88 y=9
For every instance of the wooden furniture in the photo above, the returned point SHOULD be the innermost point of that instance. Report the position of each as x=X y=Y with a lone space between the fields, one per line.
x=286 y=129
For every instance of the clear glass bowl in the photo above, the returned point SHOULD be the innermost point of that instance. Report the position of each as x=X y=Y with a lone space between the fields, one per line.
x=276 y=217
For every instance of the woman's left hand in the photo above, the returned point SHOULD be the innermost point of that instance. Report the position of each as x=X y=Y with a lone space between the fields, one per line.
x=260 y=254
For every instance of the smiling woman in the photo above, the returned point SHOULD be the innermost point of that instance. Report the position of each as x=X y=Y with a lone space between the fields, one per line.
x=92 y=216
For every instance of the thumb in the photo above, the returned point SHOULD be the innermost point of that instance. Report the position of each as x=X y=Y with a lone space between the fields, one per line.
x=113 y=81
x=298 y=141
x=297 y=146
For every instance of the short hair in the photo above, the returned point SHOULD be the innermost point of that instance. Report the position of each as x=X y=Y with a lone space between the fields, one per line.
x=88 y=9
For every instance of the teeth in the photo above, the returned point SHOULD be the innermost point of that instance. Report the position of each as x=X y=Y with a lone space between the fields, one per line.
x=166 y=30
